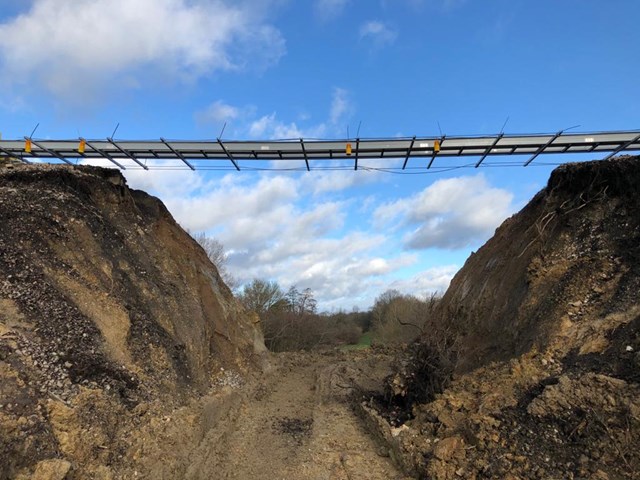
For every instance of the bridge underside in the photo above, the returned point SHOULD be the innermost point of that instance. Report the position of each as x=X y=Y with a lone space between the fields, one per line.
x=305 y=154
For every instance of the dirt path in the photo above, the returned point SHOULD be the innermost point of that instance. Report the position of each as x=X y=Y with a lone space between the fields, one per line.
x=296 y=424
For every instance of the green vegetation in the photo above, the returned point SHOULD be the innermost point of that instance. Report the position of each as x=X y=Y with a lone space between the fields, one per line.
x=363 y=343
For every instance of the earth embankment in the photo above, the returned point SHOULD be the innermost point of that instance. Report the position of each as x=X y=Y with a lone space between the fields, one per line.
x=530 y=366
x=108 y=310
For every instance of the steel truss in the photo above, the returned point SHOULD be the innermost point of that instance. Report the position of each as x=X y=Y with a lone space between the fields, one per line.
x=414 y=151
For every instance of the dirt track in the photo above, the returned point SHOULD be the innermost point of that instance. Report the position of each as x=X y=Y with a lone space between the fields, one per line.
x=295 y=423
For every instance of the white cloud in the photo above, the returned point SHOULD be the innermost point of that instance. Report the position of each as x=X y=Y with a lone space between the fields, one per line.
x=451 y=214
x=248 y=206
x=333 y=181
x=377 y=32
x=219 y=112
x=276 y=229
x=341 y=106
x=329 y=181
x=433 y=280
x=163 y=182
x=328 y=9
x=271 y=127
x=75 y=48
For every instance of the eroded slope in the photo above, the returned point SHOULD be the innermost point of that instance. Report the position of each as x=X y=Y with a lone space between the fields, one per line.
x=541 y=328
x=107 y=309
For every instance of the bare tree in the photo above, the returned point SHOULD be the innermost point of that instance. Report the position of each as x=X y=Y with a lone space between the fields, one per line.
x=218 y=256
x=301 y=303
x=399 y=318
x=261 y=296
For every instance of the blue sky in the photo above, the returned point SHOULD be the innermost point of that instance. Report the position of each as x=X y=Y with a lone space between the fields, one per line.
x=279 y=68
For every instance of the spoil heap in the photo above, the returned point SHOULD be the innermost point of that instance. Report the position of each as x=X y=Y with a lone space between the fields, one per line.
x=111 y=318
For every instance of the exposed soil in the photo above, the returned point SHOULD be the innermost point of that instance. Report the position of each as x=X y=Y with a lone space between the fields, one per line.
x=124 y=356
x=531 y=367
x=110 y=316
x=298 y=422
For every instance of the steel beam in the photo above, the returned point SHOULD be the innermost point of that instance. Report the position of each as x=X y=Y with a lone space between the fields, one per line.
x=228 y=154
x=435 y=152
x=304 y=152
x=104 y=154
x=404 y=149
x=127 y=154
x=12 y=155
x=357 y=152
x=622 y=147
x=543 y=147
x=488 y=151
x=406 y=159
x=177 y=154
x=50 y=152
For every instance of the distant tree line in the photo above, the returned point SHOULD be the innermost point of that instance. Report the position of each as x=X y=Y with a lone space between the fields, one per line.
x=290 y=320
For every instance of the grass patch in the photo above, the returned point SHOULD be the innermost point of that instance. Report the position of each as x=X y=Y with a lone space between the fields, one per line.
x=363 y=343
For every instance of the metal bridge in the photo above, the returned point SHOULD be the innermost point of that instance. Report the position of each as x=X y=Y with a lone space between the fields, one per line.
x=396 y=154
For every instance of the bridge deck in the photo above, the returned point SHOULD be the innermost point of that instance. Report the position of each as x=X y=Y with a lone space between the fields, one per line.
x=149 y=154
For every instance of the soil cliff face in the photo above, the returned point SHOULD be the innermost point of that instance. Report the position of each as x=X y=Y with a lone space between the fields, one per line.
x=106 y=304
x=571 y=257
x=541 y=329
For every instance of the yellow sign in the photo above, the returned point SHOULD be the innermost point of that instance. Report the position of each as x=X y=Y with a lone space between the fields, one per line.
x=436 y=146
x=27 y=145
x=83 y=144
x=348 y=149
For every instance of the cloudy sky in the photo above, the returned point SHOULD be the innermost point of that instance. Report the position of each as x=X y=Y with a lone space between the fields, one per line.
x=273 y=69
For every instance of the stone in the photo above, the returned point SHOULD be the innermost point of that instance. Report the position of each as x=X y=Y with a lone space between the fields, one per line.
x=52 y=469
x=103 y=473
x=449 y=447
x=383 y=452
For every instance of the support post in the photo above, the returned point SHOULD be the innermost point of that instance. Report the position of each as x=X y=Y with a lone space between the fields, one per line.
x=304 y=152
x=542 y=148
x=488 y=151
x=622 y=147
